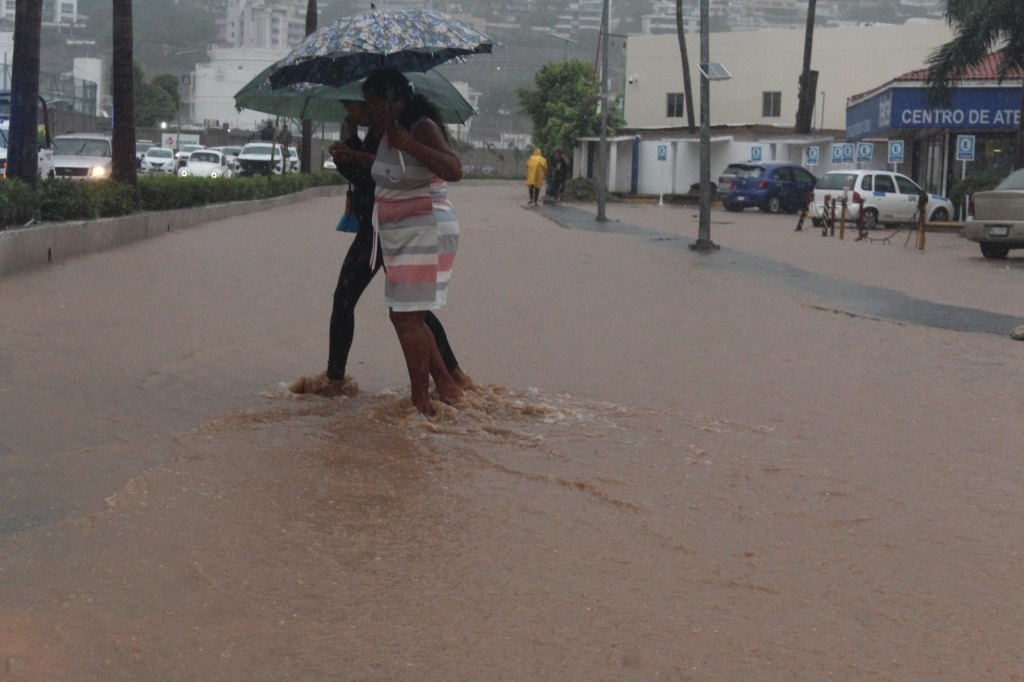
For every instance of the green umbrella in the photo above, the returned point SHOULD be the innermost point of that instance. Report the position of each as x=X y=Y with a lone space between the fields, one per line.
x=322 y=102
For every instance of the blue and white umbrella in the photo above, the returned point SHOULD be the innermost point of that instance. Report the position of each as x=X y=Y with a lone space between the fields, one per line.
x=409 y=39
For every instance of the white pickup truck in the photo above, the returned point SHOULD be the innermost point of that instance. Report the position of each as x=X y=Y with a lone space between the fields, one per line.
x=46 y=164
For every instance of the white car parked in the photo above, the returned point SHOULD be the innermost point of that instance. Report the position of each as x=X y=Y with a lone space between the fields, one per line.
x=207 y=163
x=158 y=160
x=888 y=198
x=255 y=158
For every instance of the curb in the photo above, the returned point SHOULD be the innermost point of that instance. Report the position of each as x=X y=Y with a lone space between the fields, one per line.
x=33 y=247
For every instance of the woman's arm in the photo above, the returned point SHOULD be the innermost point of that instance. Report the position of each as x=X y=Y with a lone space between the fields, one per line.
x=427 y=144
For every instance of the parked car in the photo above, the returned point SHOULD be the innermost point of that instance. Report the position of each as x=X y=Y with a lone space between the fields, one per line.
x=182 y=152
x=255 y=158
x=82 y=156
x=158 y=160
x=771 y=187
x=995 y=219
x=888 y=198
x=140 y=149
x=207 y=163
x=726 y=176
x=229 y=151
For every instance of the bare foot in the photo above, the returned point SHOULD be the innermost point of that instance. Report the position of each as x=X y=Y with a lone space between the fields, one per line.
x=321 y=385
x=462 y=379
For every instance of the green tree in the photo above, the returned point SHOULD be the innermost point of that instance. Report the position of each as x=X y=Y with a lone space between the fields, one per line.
x=169 y=83
x=980 y=27
x=152 y=105
x=563 y=107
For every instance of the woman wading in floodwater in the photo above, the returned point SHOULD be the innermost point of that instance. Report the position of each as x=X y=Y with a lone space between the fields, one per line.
x=418 y=230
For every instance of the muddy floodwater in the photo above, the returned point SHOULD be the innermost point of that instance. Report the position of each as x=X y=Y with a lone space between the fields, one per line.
x=798 y=458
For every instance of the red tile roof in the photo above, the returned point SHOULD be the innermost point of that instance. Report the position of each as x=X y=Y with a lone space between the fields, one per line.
x=986 y=70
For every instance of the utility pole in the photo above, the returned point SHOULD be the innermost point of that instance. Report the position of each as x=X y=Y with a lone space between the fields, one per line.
x=602 y=161
x=704 y=243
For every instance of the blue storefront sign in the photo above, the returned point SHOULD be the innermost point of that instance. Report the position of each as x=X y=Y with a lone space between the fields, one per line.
x=977 y=109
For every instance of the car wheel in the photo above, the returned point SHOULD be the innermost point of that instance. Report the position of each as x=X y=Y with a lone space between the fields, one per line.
x=773 y=205
x=940 y=215
x=994 y=250
x=870 y=219
x=731 y=206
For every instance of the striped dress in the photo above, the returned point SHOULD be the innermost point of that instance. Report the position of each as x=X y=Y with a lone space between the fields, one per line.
x=418 y=231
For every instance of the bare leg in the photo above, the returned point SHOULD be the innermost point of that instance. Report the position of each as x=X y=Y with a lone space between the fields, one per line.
x=448 y=388
x=413 y=337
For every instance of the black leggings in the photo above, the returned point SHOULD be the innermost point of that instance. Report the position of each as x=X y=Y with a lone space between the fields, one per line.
x=534 y=193
x=353 y=279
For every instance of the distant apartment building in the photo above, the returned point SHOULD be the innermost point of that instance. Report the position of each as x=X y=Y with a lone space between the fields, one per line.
x=55 y=12
x=580 y=15
x=264 y=24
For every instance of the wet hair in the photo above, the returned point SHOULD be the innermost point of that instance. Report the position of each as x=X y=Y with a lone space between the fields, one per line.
x=392 y=84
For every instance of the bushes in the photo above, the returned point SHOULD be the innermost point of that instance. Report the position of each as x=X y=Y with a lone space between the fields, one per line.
x=61 y=200
x=979 y=182
x=18 y=203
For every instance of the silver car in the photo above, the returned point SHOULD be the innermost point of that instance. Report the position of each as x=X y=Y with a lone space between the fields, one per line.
x=996 y=218
x=82 y=156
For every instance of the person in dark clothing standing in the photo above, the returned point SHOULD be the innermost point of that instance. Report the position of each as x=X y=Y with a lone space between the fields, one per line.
x=559 y=174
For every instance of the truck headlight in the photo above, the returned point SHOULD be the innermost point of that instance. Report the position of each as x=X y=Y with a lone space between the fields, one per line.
x=98 y=172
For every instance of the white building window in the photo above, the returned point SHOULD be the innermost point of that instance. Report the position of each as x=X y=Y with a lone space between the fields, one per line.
x=674 y=105
x=771 y=104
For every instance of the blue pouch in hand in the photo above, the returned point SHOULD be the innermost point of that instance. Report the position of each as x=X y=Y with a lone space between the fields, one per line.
x=348 y=222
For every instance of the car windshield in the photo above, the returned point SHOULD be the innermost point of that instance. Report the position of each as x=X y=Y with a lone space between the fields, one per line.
x=837 y=181
x=1014 y=180
x=159 y=153
x=204 y=157
x=79 y=146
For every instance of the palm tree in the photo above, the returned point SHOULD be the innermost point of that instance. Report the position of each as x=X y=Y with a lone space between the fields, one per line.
x=23 y=157
x=123 y=162
x=980 y=26
x=306 y=159
x=687 y=84
x=808 y=78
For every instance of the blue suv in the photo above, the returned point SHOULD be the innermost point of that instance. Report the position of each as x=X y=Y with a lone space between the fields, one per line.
x=771 y=187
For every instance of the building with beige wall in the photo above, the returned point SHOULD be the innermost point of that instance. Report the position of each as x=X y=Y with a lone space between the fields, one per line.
x=752 y=114
x=765 y=66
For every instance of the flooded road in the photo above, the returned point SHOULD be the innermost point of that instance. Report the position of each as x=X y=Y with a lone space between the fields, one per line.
x=675 y=466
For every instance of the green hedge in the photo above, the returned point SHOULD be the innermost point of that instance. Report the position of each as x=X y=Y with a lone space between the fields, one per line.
x=60 y=200
x=18 y=203
x=972 y=184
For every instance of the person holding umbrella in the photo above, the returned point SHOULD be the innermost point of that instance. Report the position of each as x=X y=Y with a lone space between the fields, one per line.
x=417 y=227
x=354 y=157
